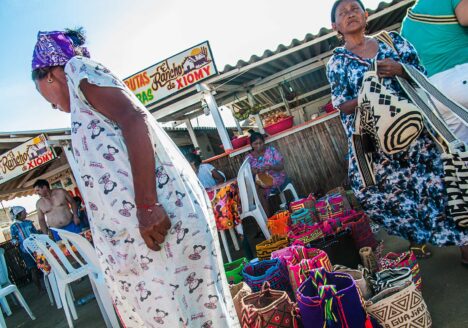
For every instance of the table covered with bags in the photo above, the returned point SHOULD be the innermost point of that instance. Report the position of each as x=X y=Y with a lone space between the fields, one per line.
x=323 y=267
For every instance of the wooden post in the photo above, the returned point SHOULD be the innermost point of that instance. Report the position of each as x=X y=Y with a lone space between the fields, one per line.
x=286 y=104
x=258 y=120
x=239 y=128
x=192 y=135
x=211 y=102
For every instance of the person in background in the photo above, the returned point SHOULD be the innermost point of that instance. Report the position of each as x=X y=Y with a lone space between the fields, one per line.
x=438 y=29
x=208 y=175
x=153 y=228
x=59 y=208
x=409 y=199
x=266 y=159
x=84 y=222
x=20 y=230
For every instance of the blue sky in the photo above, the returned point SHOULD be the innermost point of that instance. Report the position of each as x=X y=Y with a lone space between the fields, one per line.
x=128 y=36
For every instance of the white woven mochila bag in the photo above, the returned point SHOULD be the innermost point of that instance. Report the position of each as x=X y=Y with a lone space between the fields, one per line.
x=419 y=104
x=383 y=120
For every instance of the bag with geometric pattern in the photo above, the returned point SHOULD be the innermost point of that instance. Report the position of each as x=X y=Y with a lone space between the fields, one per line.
x=268 y=308
x=238 y=292
x=398 y=307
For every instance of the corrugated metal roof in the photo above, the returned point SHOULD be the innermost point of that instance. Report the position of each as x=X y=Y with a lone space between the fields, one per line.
x=274 y=65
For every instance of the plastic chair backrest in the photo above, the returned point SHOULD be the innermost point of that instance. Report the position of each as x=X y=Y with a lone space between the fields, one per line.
x=83 y=246
x=247 y=191
x=30 y=246
x=69 y=247
x=4 y=279
x=62 y=268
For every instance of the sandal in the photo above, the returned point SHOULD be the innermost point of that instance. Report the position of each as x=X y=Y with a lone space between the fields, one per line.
x=420 y=251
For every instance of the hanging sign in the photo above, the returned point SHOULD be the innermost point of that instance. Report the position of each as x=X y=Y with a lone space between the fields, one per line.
x=25 y=157
x=173 y=74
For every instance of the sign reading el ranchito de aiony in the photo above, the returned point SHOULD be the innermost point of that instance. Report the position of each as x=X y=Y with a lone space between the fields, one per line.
x=173 y=74
x=25 y=157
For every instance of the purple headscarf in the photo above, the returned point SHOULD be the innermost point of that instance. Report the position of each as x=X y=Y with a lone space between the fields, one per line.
x=55 y=49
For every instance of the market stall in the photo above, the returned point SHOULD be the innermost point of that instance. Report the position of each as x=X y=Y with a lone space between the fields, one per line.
x=283 y=93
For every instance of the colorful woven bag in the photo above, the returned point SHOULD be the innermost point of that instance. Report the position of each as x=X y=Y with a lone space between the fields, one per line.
x=400 y=260
x=360 y=229
x=340 y=248
x=268 y=309
x=303 y=215
x=278 y=223
x=303 y=233
x=238 y=292
x=398 y=307
x=266 y=247
x=303 y=261
x=390 y=278
x=308 y=202
x=284 y=252
x=234 y=270
x=255 y=274
x=330 y=207
x=330 y=299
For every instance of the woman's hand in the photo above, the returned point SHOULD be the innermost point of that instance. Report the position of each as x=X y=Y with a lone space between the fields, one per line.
x=154 y=225
x=389 y=68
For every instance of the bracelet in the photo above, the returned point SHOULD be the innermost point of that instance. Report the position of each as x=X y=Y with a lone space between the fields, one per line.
x=148 y=207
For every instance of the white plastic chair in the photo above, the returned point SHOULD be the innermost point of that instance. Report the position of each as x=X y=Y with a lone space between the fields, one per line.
x=250 y=202
x=50 y=283
x=12 y=289
x=64 y=273
x=282 y=195
x=88 y=253
x=4 y=281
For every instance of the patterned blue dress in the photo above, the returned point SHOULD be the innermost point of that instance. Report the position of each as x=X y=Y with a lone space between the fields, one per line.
x=409 y=199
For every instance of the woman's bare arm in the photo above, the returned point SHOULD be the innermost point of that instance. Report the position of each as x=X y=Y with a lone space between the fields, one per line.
x=117 y=106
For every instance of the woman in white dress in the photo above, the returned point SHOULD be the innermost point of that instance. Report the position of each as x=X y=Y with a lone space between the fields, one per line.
x=152 y=225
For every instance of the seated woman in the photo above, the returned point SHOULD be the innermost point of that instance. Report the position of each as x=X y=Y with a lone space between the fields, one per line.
x=266 y=159
x=208 y=175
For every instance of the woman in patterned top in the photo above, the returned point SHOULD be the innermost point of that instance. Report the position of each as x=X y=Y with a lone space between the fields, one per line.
x=263 y=159
x=409 y=199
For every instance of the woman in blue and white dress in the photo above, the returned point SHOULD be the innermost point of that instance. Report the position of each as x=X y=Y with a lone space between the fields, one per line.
x=409 y=199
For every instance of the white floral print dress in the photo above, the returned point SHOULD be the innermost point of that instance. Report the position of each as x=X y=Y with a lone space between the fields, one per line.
x=184 y=284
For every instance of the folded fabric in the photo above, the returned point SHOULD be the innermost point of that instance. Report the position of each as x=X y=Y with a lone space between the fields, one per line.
x=234 y=270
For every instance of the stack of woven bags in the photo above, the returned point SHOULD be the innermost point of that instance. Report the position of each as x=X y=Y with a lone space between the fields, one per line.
x=323 y=267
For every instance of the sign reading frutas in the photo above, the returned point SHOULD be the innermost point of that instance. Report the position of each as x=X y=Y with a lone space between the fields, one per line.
x=173 y=74
x=26 y=157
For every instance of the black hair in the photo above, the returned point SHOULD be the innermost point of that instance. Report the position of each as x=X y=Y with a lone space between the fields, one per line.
x=78 y=38
x=195 y=159
x=41 y=183
x=337 y=3
x=78 y=199
x=254 y=136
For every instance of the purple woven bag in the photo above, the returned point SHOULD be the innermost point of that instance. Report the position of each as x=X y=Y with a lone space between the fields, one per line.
x=330 y=299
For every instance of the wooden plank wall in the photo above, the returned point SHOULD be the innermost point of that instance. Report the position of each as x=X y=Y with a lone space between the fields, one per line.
x=315 y=158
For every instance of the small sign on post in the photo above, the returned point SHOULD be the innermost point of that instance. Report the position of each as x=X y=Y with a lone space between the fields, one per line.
x=173 y=74
x=25 y=157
